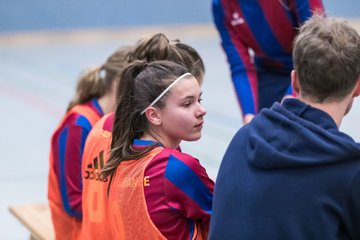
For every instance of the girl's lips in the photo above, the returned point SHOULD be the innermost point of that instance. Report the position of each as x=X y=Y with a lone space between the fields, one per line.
x=199 y=125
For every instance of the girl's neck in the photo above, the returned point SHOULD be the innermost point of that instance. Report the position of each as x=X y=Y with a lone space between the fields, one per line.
x=106 y=104
x=153 y=136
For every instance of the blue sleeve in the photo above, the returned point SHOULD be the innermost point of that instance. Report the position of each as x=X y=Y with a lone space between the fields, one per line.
x=188 y=188
x=304 y=9
x=71 y=146
x=242 y=69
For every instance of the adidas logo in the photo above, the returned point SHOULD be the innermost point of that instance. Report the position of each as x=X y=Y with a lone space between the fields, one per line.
x=93 y=169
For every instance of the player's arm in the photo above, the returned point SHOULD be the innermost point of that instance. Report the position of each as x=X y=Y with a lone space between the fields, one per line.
x=242 y=69
x=72 y=140
x=189 y=189
x=304 y=9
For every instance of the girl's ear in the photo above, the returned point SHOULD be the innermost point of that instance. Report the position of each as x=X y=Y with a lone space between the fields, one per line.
x=153 y=116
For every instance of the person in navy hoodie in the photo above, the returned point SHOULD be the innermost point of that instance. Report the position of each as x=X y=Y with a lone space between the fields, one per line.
x=291 y=173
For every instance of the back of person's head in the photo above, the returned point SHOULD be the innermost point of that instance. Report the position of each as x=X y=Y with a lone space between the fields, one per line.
x=141 y=83
x=192 y=60
x=159 y=47
x=96 y=82
x=326 y=58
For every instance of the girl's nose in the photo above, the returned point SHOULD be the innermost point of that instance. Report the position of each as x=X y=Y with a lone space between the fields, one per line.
x=201 y=111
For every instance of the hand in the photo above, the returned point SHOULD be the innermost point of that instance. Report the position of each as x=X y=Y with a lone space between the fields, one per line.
x=248 y=117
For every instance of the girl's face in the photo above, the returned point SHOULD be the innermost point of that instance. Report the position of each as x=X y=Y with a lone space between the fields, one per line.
x=182 y=118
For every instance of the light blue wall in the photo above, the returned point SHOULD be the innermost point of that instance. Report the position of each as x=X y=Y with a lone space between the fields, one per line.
x=18 y=15
x=28 y=15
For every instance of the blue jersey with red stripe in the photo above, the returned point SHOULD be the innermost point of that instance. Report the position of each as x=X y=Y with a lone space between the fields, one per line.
x=258 y=34
x=179 y=193
x=67 y=146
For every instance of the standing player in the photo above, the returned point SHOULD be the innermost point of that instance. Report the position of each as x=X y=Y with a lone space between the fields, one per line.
x=257 y=38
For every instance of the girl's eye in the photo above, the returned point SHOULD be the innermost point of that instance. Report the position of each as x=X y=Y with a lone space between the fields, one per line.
x=187 y=104
x=200 y=100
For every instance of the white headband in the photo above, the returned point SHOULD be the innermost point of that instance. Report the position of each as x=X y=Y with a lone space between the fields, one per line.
x=165 y=91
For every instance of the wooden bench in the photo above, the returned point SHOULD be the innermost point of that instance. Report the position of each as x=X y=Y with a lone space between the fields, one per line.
x=36 y=218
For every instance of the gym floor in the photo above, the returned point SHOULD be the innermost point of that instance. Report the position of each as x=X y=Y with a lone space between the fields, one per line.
x=38 y=73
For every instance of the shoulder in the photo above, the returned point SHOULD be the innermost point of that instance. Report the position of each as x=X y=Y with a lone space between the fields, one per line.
x=236 y=149
x=180 y=166
x=216 y=2
x=177 y=159
x=103 y=126
x=217 y=6
x=83 y=116
x=177 y=163
x=77 y=120
x=241 y=134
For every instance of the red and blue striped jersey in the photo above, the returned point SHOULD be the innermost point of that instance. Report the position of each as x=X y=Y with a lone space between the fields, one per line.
x=179 y=193
x=67 y=146
x=259 y=34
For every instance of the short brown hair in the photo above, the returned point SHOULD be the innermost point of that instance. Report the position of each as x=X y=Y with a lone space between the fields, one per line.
x=326 y=56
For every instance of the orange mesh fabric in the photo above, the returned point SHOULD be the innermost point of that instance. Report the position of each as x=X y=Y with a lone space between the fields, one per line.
x=128 y=215
x=65 y=226
x=94 y=196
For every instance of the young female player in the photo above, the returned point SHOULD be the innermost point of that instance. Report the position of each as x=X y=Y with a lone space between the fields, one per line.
x=97 y=146
x=156 y=191
x=95 y=96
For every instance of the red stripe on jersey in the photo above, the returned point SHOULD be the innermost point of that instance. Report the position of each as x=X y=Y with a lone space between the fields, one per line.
x=169 y=207
x=243 y=48
x=279 y=23
x=317 y=6
x=108 y=122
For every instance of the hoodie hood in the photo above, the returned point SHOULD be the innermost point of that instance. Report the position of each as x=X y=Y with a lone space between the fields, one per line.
x=294 y=134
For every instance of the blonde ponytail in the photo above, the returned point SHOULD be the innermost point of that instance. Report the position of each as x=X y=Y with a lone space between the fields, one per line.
x=89 y=85
x=95 y=82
